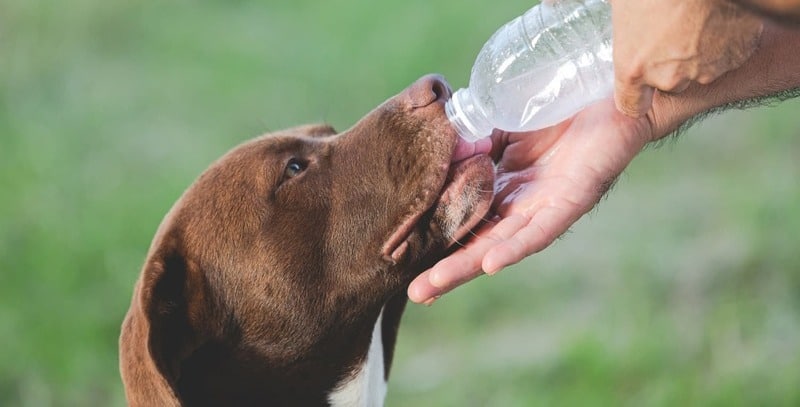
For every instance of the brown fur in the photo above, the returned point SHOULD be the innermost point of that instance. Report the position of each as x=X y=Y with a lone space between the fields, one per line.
x=262 y=288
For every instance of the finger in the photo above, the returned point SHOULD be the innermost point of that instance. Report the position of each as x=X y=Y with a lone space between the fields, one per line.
x=670 y=82
x=465 y=264
x=544 y=226
x=680 y=86
x=461 y=266
x=632 y=100
x=422 y=291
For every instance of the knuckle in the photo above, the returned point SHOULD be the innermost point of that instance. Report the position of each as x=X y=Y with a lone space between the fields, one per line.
x=706 y=78
x=671 y=82
x=630 y=74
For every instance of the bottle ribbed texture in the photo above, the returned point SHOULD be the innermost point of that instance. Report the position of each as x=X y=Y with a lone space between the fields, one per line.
x=537 y=70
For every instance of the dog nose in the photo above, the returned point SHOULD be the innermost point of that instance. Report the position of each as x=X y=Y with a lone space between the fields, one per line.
x=428 y=90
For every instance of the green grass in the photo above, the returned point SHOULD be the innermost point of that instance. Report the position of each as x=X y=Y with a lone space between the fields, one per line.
x=682 y=289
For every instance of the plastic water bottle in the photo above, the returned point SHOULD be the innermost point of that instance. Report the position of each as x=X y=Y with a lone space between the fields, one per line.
x=537 y=70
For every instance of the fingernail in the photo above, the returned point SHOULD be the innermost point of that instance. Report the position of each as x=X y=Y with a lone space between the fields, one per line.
x=491 y=269
x=436 y=280
x=431 y=300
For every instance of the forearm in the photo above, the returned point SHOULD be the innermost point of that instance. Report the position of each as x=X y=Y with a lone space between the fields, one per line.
x=774 y=68
x=782 y=10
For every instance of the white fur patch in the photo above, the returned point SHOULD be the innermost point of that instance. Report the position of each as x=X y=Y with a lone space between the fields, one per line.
x=367 y=388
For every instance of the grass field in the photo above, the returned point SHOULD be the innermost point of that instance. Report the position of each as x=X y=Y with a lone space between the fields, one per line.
x=683 y=288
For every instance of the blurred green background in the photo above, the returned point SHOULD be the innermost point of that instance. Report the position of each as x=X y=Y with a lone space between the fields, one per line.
x=682 y=289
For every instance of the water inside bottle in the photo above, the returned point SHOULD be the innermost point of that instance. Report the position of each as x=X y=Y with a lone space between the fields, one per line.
x=545 y=65
x=538 y=69
x=526 y=100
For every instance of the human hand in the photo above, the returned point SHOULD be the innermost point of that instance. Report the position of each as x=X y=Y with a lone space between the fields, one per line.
x=668 y=44
x=549 y=178
x=546 y=180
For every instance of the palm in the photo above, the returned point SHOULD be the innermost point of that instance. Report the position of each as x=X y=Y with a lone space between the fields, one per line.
x=546 y=180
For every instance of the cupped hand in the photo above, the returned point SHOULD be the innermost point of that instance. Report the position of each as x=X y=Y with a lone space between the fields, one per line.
x=546 y=180
x=667 y=45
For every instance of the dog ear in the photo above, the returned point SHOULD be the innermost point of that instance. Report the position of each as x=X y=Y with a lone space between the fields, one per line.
x=162 y=327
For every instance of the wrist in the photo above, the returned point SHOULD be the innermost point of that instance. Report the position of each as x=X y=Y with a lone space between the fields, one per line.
x=779 y=10
x=774 y=67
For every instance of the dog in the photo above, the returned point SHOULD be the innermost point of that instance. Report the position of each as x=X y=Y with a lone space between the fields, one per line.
x=279 y=276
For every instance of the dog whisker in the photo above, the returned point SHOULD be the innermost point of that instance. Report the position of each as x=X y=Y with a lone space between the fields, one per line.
x=487 y=220
x=455 y=241
x=473 y=234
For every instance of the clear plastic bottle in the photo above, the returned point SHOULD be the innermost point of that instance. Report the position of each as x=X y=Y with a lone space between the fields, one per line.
x=537 y=70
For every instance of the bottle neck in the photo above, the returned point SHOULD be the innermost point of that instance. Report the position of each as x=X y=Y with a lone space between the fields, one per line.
x=467 y=118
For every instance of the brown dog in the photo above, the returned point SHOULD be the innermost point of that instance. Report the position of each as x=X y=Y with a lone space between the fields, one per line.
x=279 y=276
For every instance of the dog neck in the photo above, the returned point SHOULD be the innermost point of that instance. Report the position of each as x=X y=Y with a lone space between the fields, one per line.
x=348 y=366
x=367 y=386
x=349 y=370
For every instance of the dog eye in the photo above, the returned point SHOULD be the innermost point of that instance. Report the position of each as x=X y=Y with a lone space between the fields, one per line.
x=293 y=168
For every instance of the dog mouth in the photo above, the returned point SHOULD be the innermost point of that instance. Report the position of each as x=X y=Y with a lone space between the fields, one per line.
x=464 y=198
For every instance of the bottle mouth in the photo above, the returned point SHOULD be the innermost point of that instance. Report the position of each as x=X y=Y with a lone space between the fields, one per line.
x=458 y=113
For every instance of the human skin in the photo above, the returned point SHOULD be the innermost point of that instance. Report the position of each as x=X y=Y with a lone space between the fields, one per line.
x=684 y=42
x=549 y=178
x=782 y=10
x=667 y=45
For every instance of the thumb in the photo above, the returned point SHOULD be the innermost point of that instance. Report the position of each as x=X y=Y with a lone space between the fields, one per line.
x=632 y=99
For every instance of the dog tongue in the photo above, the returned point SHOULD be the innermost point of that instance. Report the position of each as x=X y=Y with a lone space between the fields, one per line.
x=465 y=149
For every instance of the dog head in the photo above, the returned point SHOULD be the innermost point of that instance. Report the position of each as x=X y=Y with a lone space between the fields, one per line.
x=283 y=248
